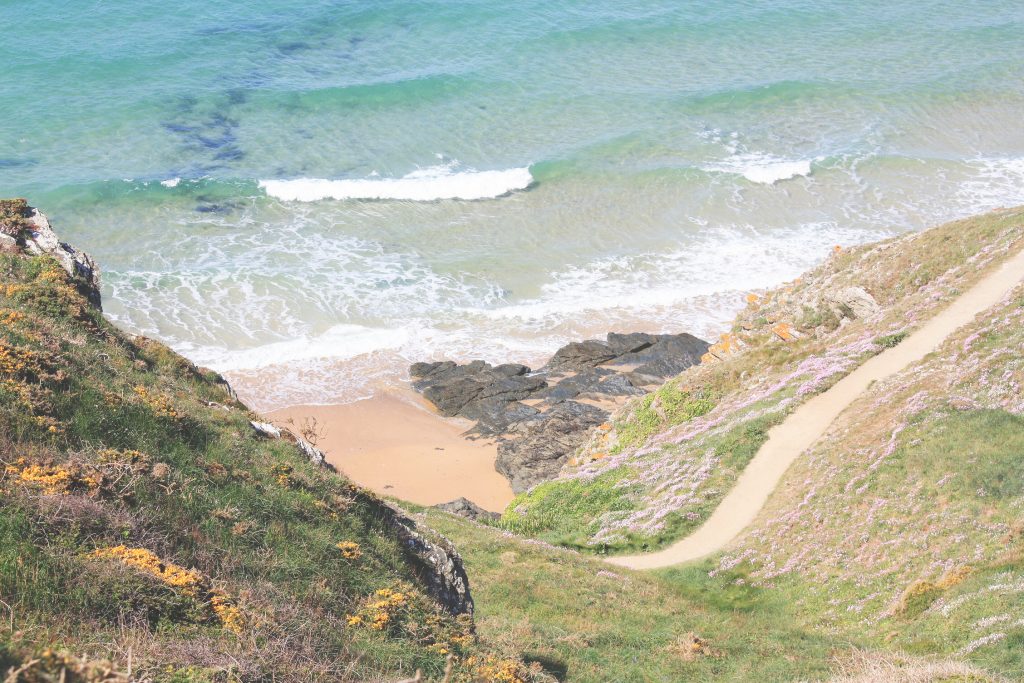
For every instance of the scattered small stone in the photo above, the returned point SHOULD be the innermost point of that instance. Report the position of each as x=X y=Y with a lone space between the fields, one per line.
x=468 y=509
x=266 y=430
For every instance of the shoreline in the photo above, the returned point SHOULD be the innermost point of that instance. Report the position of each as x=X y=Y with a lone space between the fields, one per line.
x=395 y=444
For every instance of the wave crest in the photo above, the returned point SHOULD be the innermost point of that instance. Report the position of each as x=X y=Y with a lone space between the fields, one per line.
x=424 y=185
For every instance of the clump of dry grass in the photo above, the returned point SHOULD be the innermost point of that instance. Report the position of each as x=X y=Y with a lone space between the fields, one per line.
x=878 y=667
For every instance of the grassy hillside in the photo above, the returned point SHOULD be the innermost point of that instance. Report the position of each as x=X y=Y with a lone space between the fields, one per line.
x=149 y=532
x=911 y=509
x=664 y=462
x=143 y=520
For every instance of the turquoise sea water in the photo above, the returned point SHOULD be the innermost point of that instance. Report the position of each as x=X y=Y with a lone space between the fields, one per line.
x=307 y=195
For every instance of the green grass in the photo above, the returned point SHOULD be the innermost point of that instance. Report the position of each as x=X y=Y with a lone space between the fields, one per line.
x=668 y=406
x=564 y=511
x=889 y=341
x=599 y=623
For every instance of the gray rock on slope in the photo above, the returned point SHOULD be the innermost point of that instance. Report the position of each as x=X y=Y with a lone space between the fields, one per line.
x=435 y=560
x=464 y=507
x=41 y=239
x=853 y=302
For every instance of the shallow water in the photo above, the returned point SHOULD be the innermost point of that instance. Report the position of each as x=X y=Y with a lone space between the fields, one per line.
x=263 y=181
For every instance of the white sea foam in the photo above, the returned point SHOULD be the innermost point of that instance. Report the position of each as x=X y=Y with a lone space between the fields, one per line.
x=763 y=169
x=171 y=182
x=340 y=342
x=717 y=261
x=423 y=185
x=999 y=181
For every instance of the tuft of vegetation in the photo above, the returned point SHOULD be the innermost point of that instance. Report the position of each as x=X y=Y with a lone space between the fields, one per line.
x=14 y=215
x=668 y=406
x=889 y=341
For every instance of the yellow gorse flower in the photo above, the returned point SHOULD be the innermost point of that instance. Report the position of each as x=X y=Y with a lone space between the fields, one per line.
x=189 y=581
x=350 y=550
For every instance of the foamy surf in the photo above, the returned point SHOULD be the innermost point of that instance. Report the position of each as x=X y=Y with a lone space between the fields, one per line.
x=763 y=169
x=424 y=185
x=340 y=342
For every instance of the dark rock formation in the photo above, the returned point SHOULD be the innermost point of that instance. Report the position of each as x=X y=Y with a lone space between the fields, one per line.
x=536 y=440
x=581 y=355
x=436 y=561
x=468 y=509
x=536 y=449
x=666 y=356
x=452 y=387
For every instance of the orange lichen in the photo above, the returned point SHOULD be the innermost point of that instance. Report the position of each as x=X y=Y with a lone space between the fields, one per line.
x=727 y=345
x=784 y=331
x=752 y=298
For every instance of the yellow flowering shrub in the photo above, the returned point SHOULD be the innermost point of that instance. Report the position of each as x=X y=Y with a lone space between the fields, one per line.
x=10 y=317
x=494 y=669
x=227 y=611
x=18 y=362
x=188 y=582
x=283 y=474
x=160 y=405
x=53 y=479
x=350 y=550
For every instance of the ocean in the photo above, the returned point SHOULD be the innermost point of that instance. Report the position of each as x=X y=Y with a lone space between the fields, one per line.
x=307 y=196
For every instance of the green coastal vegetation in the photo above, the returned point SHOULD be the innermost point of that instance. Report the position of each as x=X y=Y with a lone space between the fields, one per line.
x=150 y=532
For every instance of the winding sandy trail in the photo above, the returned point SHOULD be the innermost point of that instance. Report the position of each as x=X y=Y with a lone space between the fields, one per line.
x=808 y=423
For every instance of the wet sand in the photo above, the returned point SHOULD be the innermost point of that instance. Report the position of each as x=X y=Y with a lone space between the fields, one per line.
x=396 y=445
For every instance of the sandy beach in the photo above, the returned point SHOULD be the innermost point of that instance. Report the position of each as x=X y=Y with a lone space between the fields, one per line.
x=396 y=445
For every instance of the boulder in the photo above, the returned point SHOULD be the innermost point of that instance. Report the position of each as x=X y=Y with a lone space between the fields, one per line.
x=536 y=449
x=596 y=383
x=495 y=416
x=476 y=388
x=464 y=507
x=630 y=343
x=854 y=303
x=266 y=430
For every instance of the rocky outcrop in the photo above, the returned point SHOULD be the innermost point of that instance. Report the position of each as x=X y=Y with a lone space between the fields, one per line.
x=39 y=238
x=436 y=561
x=854 y=303
x=537 y=437
x=537 y=448
x=463 y=507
